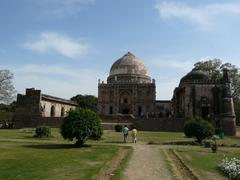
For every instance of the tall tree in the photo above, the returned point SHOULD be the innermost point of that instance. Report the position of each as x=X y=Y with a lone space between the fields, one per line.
x=215 y=66
x=86 y=101
x=7 y=91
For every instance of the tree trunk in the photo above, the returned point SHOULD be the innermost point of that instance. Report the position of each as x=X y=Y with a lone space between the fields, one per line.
x=79 y=142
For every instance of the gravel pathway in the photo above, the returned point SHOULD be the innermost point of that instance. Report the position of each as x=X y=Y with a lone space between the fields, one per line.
x=146 y=163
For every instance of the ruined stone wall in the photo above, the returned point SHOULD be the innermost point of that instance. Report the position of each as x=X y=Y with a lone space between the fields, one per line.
x=33 y=108
x=196 y=97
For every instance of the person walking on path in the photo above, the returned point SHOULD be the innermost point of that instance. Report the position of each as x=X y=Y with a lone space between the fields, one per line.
x=125 y=133
x=134 y=135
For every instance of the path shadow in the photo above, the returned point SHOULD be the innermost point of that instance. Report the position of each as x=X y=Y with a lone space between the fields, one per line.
x=55 y=146
x=181 y=143
x=115 y=142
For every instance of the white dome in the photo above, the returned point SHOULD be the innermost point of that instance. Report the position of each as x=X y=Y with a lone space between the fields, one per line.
x=129 y=64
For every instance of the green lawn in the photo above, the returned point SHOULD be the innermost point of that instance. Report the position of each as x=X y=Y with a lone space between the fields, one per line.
x=146 y=136
x=24 y=157
x=203 y=162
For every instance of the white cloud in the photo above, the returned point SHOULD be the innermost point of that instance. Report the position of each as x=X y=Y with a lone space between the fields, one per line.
x=164 y=90
x=52 y=41
x=164 y=62
x=56 y=80
x=203 y=16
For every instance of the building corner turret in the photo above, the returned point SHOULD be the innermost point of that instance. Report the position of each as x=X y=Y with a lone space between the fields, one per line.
x=228 y=117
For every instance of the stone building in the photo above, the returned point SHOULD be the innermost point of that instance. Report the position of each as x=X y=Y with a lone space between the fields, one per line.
x=129 y=90
x=35 y=108
x=130 y=95
x=198 y=95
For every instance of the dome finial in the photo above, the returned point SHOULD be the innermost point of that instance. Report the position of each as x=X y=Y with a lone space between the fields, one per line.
x=129 y=54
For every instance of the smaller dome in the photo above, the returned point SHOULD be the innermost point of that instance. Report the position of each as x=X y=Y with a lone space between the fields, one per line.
x=195 y=75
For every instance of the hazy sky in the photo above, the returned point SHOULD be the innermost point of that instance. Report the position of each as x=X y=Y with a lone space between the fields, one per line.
x=63 y=46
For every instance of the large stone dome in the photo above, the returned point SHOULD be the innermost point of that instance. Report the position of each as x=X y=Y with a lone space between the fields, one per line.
x=194 y=76
x=129 y=68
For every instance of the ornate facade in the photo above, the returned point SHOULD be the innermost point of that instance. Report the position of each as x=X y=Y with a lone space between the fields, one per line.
x=198 y=95
x=129 y=90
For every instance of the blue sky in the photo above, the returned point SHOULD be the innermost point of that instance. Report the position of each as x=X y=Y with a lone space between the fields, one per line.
x=64 y=46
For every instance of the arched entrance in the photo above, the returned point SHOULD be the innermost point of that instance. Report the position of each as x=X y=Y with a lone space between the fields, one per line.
x=125 y=111
x=52 y=113
x=125 y=102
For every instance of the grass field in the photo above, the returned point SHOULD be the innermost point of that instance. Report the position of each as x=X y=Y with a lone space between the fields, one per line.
x=25 y=157
x=204 y=163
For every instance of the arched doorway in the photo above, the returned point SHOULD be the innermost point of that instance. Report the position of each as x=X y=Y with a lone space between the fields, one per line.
x=62 y=112
x=125 y=111
x=52 y=113
x=125 y=102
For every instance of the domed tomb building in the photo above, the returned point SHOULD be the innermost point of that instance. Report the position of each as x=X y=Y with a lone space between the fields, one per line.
x=129 y=89
x=199 y=95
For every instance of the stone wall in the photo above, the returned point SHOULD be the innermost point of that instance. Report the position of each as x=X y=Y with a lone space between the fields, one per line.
x=30 y=121
x=143 y=124
x=35 y=108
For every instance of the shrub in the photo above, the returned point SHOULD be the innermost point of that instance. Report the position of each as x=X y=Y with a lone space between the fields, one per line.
x=118 y=128
x=218 y=131
x=214 y=145
x=230 y=167
x=42 y=132
x=81 y=124
x=198 y=128
x=207 y=143
x=97 y=133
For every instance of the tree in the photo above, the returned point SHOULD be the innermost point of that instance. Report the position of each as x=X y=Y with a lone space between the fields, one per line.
x=7 y=91
x=198 y=128
x=81 y=124
x=215 y=66
x=86 y=101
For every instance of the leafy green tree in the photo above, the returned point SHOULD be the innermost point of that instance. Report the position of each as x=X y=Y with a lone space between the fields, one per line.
x=198 y=128
x=81 y=124
x=86 y=101
x=215 y=66
x=7 y=91
x=8 y=107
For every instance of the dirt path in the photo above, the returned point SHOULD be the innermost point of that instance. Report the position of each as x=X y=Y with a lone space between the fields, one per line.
x=147 y=162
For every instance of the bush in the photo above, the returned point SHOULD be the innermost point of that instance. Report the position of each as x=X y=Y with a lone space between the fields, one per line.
x=42 y=132
x=207 y=143
x=118 y=128
x=97 y=133
x=81 y=124
x=198 y=128
x=231 y=167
